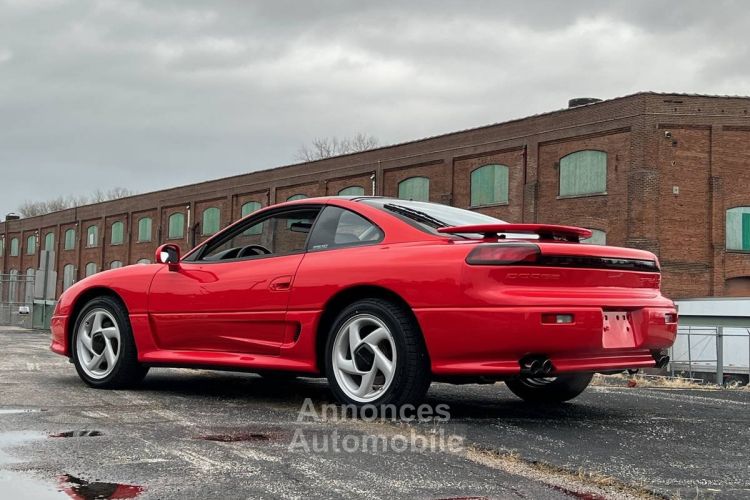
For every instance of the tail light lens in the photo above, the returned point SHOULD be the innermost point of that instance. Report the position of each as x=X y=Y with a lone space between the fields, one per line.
x=503 y=254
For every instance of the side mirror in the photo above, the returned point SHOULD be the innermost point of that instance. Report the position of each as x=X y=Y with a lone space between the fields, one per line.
x=168 y=253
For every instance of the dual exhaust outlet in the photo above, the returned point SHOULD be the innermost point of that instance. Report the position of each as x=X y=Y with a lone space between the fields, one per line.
x=536 y=366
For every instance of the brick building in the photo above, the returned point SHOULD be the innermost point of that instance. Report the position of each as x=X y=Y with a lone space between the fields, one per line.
x=666 y=172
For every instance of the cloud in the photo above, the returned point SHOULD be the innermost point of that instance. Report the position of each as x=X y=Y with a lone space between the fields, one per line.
x=146 y=95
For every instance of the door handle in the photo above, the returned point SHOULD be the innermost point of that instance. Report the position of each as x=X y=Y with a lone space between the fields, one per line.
x=280 y=284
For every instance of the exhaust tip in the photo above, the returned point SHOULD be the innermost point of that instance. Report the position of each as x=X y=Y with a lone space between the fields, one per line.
x=546 y=366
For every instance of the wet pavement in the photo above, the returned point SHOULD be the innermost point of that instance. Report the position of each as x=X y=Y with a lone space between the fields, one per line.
x=202 y=434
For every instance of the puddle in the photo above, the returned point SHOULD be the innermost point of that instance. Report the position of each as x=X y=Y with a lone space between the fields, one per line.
x=234 y=438
x=12 y=411
x=70 y=434
x=81 y=489
x=17 y=485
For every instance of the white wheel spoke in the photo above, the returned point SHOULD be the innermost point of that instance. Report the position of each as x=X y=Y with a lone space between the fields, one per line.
x=366 y=385
x=94 y=362
x=383 y=363
x=354 y=338
x=109 y=353
x=86 y=341
x=346 y=365
x=96 y=326
x=376 y=336
x=110 y=332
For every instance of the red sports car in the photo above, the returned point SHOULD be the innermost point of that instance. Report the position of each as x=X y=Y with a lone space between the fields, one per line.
x=381 y=296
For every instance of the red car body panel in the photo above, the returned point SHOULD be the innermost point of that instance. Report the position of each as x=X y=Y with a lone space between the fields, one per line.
x=476 y=320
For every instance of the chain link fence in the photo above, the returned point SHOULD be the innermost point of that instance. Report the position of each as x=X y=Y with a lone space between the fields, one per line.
x=17 y=299
x=713 y=351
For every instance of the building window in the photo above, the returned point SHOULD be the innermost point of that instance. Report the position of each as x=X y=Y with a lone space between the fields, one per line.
x=211 y=221
x=31 y=245
x=90 y=269
x=13 y=286
x=115 y=264
x=414 y=188
x=143 y=261
x=247 y=209
x=69 y=276
x=70 y=239
x=738 y=229
x=92 y=236
x=489 y=185
x=14 y=247
x=352 y=191
x=49 y=241
x=290 y=222
x=583 y=172
x=144 y=229
x=598 y=237
x=117 y=236
x=176 y=228
x=2 y=246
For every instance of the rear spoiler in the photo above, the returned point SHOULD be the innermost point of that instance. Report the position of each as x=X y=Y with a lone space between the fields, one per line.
x=545 y=231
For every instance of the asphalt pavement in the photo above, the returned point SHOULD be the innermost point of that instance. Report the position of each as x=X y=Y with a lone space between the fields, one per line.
x=204 y=434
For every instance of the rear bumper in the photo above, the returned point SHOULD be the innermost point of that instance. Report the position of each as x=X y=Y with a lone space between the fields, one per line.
x=491 y=341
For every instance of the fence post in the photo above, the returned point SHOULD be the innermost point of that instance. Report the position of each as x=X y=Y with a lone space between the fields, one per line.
x=720 y=355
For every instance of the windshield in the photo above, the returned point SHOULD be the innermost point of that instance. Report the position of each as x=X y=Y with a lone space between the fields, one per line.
x=430 y=216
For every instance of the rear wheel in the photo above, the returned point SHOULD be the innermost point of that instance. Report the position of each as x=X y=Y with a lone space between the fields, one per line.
x=550 y=389
x=375 y=355
x=104 y=352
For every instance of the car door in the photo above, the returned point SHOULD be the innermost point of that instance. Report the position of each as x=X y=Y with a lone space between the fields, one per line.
x=232 y=294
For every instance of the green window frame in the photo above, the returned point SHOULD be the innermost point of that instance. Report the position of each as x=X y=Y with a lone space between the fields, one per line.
x=144 y=229
x=583 y=173
x=489 y=185
x=176 y=229
x=49 y=241
x=598 y=237
x=90 y=269
x=738 y=229
x=211 y=221
x=115 y=264
x=31 y=245
x=92 y=236
x=14 y=247
x=70 y=239
x=352 y=191
x=117 y=233
x=247 y=209
x=414 y=188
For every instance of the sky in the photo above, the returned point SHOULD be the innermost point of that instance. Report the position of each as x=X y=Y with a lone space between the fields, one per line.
x=152 y=94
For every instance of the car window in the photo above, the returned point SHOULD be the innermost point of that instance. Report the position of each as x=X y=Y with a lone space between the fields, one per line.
x=337 y=227
x=281 y=233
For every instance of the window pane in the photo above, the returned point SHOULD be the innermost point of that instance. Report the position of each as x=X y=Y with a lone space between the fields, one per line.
x=339 y=227
x=489 y=185
x=49 y=241
x=414 y=188
x=738 y=228
x=68 y=276
x=247 y=209
x=292 y=198
x=70 y=239
x=92 y=236
x=597 y=238
x=115 y=264
x=90 y=269
x=144 y=229
x=31 y=245
x=118 y=233
x=2 y=246
x=281 y=234
x=583 y=172
x=352 y=191
x=14 y=247
x=176 y=226
x=211 y=221
x=143 y=261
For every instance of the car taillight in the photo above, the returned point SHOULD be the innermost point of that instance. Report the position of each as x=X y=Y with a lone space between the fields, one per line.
x=503 y=254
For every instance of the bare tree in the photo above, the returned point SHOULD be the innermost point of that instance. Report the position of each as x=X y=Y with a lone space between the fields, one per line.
x=32 y=208
x=325 y=147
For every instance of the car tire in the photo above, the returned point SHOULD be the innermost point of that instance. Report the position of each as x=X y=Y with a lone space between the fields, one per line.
x=551 y=390
x=103 y=349
x=380 y=337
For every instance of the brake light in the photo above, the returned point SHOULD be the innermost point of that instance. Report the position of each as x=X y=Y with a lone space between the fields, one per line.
x=503 y=254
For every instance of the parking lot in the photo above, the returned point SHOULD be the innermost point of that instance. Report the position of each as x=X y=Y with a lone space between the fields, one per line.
x=196 y=433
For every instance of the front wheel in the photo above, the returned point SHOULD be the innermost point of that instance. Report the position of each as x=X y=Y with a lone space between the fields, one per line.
x=550 y=390
x=104 y=352
x=375 y=354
